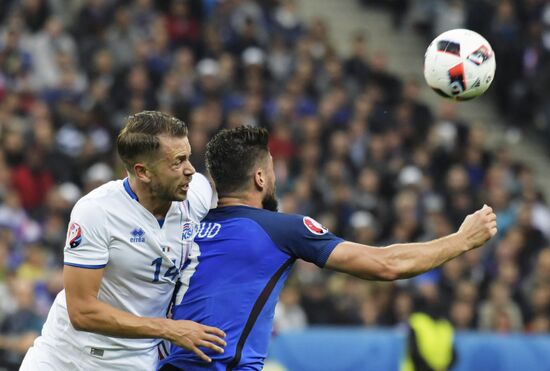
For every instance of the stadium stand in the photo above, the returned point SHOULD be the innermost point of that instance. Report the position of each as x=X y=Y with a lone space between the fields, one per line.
x=353 y=145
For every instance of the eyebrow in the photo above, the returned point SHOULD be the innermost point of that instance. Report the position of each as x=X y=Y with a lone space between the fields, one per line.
x=181 y=156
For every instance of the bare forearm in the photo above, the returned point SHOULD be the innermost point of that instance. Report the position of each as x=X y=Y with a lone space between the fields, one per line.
x=410 y=259
x=395 y=261
x=101 y=318
x=18 y=343
x=96 y=316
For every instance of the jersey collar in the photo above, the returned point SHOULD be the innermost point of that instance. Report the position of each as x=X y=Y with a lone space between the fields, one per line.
x=129 y=189
x=133 y=195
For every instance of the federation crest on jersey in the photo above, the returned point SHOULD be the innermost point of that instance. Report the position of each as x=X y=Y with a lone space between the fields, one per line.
x=74 y=237
x=314 y=226
x=188 y=230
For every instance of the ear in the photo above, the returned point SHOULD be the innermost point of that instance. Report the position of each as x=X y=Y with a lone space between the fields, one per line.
x=259 y=179
x=141 y=172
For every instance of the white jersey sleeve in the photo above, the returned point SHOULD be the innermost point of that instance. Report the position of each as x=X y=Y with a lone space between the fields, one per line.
x=87 y=243
x=200 y=197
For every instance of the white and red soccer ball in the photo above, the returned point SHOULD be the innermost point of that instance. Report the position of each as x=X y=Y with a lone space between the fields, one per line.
x=459 y=64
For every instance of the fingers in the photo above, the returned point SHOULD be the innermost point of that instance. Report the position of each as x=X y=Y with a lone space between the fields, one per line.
x=214 y=330
x=193 y=335
x=492 y=226
x=479 y=227
x=209 y=345
x=214 y=339
x=486 y=210
x=200 y=353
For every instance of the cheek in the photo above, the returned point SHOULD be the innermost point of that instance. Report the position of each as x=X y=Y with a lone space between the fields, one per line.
x=167 y=179
x=173 y=173
x=171 y=180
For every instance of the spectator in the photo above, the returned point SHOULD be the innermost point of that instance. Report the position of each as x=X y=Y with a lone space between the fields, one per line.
x=499 y=313
x=35 y=13
x=462 y=315
x=289 y=315
x=33 y=267
x=541 y=273
x=6 y=301
x=183 y=29
x=355 y=146
x=32 y=181
x=19 y=329
x=121 y=38
x=47 y=45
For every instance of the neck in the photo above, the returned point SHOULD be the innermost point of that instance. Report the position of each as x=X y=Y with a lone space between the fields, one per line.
x=240 y=200
x=157 y=207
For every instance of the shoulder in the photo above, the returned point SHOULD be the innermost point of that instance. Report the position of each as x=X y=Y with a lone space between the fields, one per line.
x=290 y=223
x=274 y=223
x=100 y=200
x=199 y=196
x=107 y=192
x=200 y=180
x=246 y=212
x=297 y=235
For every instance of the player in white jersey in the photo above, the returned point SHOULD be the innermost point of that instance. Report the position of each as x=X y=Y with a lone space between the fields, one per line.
x=126 y=245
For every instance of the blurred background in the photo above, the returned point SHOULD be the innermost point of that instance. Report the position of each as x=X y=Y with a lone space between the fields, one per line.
x=358 y=140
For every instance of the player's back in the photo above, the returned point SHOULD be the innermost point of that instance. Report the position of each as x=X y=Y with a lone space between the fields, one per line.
x=241 y=259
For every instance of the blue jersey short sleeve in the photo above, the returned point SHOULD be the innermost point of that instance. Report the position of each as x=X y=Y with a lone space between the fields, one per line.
x=301 y=237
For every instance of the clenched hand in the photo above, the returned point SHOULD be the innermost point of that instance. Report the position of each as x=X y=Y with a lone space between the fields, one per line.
x=479 y=227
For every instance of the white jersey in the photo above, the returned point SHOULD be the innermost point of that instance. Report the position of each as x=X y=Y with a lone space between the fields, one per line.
x=142 y=258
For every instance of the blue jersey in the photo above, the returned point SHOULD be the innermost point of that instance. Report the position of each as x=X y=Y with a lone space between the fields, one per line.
x=244 y=257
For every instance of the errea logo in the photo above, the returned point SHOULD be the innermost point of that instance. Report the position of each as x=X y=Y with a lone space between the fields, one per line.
x=137 y=235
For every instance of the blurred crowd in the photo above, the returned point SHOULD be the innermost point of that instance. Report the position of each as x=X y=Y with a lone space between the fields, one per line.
x=353 y=147
x=519 y=32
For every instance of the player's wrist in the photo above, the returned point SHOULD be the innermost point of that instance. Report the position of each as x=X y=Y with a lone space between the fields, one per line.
x=162 y=328
x=461 y=240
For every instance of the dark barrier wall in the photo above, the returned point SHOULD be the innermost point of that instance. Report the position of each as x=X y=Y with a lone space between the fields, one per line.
x=331 y=349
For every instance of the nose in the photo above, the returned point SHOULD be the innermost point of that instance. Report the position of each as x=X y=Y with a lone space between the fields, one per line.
x=189 y=169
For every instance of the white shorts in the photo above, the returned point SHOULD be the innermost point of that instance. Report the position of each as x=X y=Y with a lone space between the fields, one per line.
x=43 y=357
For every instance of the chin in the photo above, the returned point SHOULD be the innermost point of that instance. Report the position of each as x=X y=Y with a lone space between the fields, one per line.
x=180 y=196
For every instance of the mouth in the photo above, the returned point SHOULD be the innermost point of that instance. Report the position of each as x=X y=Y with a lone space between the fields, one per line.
x=185 y=187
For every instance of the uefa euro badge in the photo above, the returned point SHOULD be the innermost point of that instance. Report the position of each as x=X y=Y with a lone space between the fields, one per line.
x=189 y=230
x=75 y=235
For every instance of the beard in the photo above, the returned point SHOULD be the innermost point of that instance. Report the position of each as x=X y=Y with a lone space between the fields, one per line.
x=270 y=202
x=165 y=193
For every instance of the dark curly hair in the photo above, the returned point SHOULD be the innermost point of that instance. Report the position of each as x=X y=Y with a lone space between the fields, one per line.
x=231 y=155
x=139 y=137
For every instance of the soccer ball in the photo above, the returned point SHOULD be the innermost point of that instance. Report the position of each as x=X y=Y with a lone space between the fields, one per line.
x=459 y=64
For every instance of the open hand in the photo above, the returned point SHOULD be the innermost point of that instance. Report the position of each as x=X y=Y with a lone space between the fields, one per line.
x=192 y=335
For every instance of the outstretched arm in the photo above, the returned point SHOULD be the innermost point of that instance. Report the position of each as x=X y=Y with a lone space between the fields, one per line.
x=410 y=259
x=87 y=313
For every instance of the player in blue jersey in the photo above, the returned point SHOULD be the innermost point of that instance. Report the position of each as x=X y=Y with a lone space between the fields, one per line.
x=245 y=250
